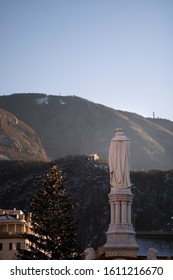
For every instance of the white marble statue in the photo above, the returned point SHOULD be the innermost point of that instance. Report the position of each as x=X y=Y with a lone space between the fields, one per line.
x=152 y=254
x=119 y=157
x=89 y=253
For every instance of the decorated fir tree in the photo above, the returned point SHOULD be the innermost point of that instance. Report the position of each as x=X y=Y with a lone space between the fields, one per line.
x=54 y=231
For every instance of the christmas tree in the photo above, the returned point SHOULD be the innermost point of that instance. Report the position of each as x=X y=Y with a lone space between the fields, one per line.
x=52 y=224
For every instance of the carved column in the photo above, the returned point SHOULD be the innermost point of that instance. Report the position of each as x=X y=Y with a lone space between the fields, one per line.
x=112 y=212
x=117 y=212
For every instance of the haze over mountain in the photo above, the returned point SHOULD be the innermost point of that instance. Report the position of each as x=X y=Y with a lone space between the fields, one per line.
x=18 y=141
x=69 y=125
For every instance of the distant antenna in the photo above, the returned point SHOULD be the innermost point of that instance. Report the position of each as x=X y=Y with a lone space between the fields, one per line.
x=153 y=115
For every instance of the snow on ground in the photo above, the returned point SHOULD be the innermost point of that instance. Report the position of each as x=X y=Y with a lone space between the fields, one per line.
x=62 y=102
x=43 y=100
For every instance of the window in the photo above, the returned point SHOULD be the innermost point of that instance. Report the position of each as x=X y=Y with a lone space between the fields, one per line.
x=1 y=246
x=10 y=246
x=18 y=246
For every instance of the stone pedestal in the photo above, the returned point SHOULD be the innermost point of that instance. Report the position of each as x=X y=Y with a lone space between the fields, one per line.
x=120 y=235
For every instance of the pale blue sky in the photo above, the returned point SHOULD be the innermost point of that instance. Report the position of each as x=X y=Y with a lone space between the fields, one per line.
x=118 y=53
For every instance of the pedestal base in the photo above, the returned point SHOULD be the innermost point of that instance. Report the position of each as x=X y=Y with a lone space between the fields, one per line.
x=121 y=253
x=121 y=244
x=121 y=236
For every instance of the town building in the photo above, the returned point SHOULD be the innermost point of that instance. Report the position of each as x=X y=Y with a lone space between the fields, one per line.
x=12 y=225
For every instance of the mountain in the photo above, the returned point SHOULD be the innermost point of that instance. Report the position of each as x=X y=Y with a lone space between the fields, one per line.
x=18 y=141
x=69 y=125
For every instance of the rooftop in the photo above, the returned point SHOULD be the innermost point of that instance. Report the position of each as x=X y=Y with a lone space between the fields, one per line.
x=6 y=217
x=161 y=241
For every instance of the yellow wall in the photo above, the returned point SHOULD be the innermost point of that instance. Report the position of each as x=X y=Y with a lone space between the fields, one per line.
x=5 y=253
x=10 y=231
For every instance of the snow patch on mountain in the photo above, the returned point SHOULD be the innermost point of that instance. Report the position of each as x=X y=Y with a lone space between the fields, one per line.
x=42 y=100
x=62 y=102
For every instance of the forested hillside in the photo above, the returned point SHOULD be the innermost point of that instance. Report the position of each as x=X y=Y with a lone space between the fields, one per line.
x=88 y=185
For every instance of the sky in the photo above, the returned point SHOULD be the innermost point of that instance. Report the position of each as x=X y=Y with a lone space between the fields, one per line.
x=118 y=53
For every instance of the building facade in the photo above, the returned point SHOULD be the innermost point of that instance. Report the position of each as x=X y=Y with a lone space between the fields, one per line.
x=12 y=225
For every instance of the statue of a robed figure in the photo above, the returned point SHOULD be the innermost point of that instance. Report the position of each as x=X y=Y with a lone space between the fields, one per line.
x=119 y=160
x=120 y=235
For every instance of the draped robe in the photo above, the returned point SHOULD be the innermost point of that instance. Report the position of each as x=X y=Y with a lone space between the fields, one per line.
x=119 y=158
